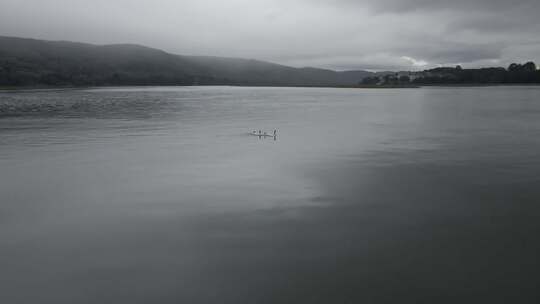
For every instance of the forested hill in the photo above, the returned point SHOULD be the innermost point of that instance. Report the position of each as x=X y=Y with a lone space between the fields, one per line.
x=28 y=62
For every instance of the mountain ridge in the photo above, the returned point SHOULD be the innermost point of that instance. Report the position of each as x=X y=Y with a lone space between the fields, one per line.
x=27 y=61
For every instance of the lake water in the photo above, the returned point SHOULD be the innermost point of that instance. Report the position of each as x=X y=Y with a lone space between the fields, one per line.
x=160 y=195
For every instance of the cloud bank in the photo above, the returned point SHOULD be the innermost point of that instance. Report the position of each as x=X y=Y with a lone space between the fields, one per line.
x=342 y=34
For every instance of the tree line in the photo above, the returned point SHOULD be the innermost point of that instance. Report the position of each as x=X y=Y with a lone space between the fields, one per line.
x=515 y=74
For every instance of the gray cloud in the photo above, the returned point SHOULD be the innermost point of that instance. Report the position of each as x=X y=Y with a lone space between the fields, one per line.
x=339 y=34
x=427 y=5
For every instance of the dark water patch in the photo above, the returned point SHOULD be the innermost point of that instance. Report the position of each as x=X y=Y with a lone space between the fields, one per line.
x=86 y=104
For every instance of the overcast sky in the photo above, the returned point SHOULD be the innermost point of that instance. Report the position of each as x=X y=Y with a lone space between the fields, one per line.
x=337 y=34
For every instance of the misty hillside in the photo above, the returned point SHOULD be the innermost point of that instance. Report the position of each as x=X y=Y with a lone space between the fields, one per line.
x=38 y=62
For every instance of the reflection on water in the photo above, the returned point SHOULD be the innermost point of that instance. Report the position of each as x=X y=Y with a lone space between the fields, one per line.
x=143 y=195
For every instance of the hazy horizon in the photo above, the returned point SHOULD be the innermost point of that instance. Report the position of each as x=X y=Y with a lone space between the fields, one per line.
x=337 y=35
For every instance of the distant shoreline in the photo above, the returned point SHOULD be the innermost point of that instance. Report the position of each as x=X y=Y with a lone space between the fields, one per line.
x=35 y=88
x=30 y=64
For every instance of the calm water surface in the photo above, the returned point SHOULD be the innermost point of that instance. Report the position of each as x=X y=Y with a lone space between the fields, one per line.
x=159 y=195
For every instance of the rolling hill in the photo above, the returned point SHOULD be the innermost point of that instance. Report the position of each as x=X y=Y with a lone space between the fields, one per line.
x=29 y=62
